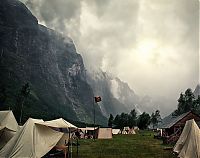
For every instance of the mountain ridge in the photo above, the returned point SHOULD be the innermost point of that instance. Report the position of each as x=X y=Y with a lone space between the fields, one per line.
x=48 y=61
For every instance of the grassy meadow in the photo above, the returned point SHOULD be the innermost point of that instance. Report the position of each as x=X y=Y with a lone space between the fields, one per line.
x=141 y=145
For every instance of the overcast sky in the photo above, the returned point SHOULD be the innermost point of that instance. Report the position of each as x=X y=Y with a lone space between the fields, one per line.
x=151 y=44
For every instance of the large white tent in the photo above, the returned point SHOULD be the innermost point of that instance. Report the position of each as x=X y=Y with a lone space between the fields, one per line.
x=188 y=145
x=8 y=127
x=61 y=123
x=32 y=140
x=104 y=133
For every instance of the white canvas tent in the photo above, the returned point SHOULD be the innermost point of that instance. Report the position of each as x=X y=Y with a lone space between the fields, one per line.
x=8 y=127
x=131 y=131
x=104 y=133
x=32 y=140
x=188 y=145
x=136 y=128
x=125 y=130
x=116 y=131
x=61 y=123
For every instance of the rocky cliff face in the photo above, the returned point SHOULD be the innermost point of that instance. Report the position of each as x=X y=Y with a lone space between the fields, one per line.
x=32 y=53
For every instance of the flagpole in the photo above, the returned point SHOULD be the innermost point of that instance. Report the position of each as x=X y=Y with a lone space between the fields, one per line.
x=94 y=116
x=95 y=100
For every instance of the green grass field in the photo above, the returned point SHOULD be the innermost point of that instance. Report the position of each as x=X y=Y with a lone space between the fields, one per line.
x=141 y=145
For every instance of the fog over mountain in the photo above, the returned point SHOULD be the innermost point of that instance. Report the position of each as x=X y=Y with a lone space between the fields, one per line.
x=152 y=45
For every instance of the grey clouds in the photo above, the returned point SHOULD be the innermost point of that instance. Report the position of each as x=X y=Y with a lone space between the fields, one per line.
x=151 y=44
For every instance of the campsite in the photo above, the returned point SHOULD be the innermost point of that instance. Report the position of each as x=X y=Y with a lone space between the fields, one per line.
x=58 y=138
x=99 y=79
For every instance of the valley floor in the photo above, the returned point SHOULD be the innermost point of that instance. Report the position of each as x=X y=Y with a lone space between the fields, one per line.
x=141 y=145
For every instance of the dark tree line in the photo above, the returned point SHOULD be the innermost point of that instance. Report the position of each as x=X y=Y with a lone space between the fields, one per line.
x=187 y=102
x=130 y=120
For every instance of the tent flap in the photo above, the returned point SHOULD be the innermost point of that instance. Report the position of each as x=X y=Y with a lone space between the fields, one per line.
x=188 y=145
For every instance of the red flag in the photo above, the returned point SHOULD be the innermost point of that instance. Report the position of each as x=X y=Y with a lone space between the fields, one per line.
x=97 y=99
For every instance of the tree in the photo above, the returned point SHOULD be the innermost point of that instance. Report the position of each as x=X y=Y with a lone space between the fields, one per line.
x=189 y=100
x=121 y=121
x=144 y=120
x=181 y=105
x=155 y=118
x=23 y=94
x=117 y=120
x=186 y=102
x=132 y=118
x=197 y=105
x=110 y=120
x=124 y=119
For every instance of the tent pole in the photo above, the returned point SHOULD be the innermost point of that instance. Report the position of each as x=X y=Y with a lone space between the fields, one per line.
x=77 y=147
x=71 y=143
x=68 y=144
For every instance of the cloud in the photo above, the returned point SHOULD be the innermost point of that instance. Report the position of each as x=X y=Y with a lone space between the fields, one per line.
x=151 y=44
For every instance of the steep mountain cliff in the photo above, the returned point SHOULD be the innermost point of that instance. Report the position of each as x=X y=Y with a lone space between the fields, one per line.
x=32 y=53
